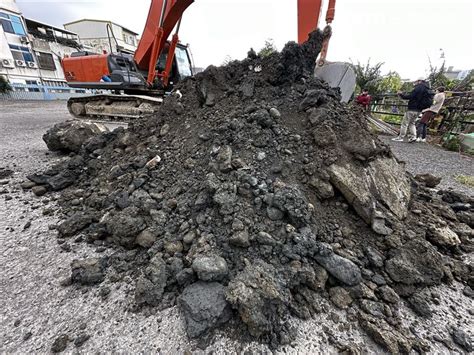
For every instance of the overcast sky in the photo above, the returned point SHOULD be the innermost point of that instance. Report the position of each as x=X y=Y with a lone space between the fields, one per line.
x=401 y=33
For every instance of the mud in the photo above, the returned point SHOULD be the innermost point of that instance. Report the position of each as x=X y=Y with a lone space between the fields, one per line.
x=260 y=190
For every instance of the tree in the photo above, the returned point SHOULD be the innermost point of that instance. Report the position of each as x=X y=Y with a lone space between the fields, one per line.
x=4 y=85
x=407 y=86
x=436 y=76
x=390 y=83
x=268 y=48
x=370 y=78
x=367 y=76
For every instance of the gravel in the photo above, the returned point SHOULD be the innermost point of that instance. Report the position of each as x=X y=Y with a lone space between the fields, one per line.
x=35 y=309
x=426 y=158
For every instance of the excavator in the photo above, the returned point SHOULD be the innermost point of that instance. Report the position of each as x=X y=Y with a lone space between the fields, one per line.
x=138 y=83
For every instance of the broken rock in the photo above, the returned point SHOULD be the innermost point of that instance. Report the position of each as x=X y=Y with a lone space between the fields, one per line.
x=417 y=262
x=382 y=183
x=88 y=271
x=340 y=297
x=74 y=224
x=69 y=136
x=444 y=237
x=210 y=268
x=151 y=285
x=341 y=268
x=259 y=297
x=204 y=307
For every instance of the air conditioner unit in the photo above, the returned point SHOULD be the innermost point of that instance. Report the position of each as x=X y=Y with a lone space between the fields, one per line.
x=7 y=63
x=32 y=65
x=24 y=39
x=20 y=63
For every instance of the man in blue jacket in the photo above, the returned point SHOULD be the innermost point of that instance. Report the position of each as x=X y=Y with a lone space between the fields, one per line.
x=419 y=99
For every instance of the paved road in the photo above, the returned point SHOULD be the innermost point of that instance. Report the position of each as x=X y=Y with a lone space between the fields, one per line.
x=426 y=158
x=22 y=126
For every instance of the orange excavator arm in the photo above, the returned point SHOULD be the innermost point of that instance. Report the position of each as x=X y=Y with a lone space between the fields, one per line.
x=163 y=16
x=309 y=13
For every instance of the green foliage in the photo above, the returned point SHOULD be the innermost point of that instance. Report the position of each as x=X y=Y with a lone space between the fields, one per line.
x=268 y=48
x=4 y=85
x=453 y=144
x=390 y=83
x=390 y=118
x=437 y=77
x=467 y=180
x=407 y=86
x=370 y=77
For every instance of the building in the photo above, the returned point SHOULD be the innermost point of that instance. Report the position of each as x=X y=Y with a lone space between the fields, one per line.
x=31 y=51
x=458 y=74
x=100 y=36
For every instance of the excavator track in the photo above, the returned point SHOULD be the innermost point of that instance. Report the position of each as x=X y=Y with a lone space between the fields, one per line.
x=113 y=108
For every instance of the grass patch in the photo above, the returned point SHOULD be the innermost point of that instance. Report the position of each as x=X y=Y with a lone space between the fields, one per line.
x=390 y=118
x=452 y=144
x=467 y=180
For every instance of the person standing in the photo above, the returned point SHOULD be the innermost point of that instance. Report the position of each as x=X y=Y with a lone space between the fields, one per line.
x=364 y=99
x=418 y=100
x=430 y=113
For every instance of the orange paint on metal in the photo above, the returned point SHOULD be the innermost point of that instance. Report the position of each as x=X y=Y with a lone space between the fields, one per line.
x=155 y=53
x=88 y=68
x=331 y=11
x=308 y=17
x=173 y=12
x=169 y=59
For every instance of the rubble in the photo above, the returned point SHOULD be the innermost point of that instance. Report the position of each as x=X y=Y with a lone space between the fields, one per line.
x=253 y=196
x=204 y=307
x=88 y=271
x=69 y=136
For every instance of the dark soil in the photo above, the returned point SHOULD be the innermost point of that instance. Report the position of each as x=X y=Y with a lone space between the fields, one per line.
x=5 y=173
x=228 y=192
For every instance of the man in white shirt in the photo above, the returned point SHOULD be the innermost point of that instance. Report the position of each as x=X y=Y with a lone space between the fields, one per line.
x=430 y=113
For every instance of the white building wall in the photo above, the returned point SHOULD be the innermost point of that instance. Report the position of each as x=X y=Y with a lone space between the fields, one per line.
x=94 y=34
x=88 y=29
x=58 y=51
x=10 y=5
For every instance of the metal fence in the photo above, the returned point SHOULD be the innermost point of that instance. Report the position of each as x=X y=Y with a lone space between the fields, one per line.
x=41 y=92
x=456 y=116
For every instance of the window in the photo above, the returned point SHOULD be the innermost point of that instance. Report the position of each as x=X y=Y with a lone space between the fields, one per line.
x=45 y=61
x=32 y=85
x=12 y=24
x=129 y=39
x=21 y=53
x=183 y=62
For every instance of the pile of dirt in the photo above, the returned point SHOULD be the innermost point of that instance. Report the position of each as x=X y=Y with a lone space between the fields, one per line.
x=253 y=196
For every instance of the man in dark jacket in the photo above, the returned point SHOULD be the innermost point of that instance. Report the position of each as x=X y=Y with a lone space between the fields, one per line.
x=418 y=100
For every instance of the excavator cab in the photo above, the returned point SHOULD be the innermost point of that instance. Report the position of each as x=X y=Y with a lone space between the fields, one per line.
x=181 y=67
